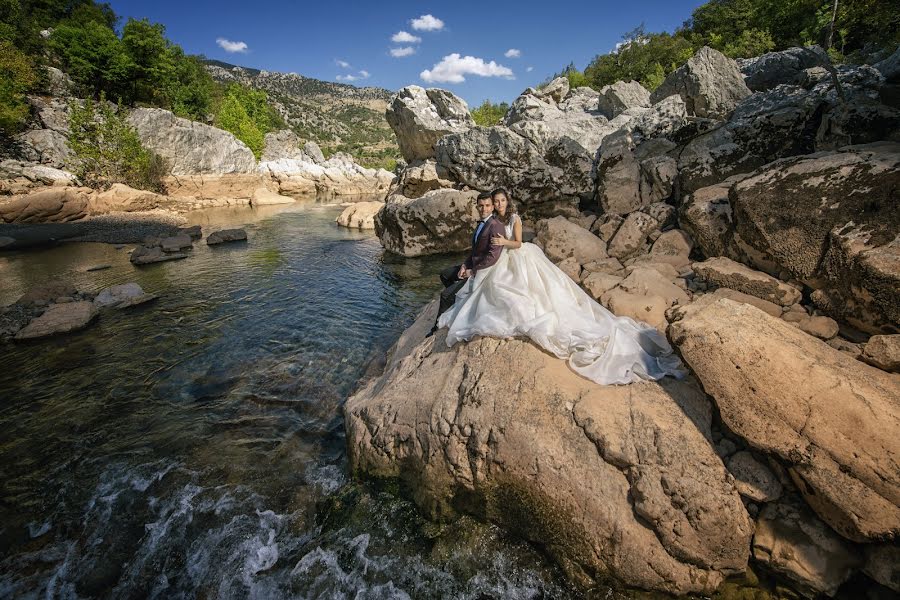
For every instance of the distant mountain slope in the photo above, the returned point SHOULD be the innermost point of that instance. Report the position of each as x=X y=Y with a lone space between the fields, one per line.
x=335 y=115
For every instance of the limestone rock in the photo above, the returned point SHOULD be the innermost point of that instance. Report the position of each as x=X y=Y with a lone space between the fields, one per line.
x=794 y=543
x=614 y=481
x=312 y=150
x=282 y=144
x=598 y=283
x=648 y=309
x=420 y=117
x=46 y=293
x=51 y=205
x=440 y=221
x=672 y=243
x=774 y=68
x=359 y=215
x=622 y=95
x=632 y=235
x=753 y=479
x=561 y=239
x=831 y=222
x=821 y=327
x=46 y=146
x=571 y=267
x=649 y=282
x=59 y=318
x=830 y=418
x=419 y=178
x=263 y=196
x=709 y=83
x=191 y=147
x=145 y=255
x=883 y=351
x=176 y=243
x=224 y=236
x=122 y=198
x=706 y=215
x=122 y=296
x=724 y=272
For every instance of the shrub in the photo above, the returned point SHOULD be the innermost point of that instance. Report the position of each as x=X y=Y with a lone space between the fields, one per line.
x=643 y=57
x=489 y=114
x=246 y=114
x=108 y=150
x=16 y=77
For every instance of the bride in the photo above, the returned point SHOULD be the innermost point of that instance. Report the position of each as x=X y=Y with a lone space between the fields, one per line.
x=524 y=294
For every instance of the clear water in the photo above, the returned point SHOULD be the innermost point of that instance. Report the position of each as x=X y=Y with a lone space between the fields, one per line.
x=194 y=448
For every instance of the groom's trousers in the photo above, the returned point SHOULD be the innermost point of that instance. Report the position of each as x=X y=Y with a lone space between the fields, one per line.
x=452 y=284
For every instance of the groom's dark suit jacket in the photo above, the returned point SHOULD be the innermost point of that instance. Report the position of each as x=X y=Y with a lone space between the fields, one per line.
x=484 y=254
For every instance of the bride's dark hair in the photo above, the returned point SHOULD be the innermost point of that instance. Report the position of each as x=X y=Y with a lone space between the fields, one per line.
x=510 y=205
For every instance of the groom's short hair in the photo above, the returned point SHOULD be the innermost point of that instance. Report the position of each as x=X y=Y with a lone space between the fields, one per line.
x=482 y=196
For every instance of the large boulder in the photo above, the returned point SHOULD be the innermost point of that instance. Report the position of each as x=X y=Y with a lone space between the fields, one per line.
x=359 y=215
x=122 y=198
x=561 y=239
x=724 y=272
x=709 y=83
x=620 y=96
x=46 y=146
x=614 y=481
x=440 y=221
x=50 y=205
x=831 y=221
x=420 y=117
x=283 y=144
x=832 y=420
x=59 y=318
x=420 y=177
x=191 y=147
x=764 y=72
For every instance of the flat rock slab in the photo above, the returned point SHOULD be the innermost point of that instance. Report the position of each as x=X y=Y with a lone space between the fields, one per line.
x=59 y=318
x=122 y=296
x=724 y=272
x=225 y=236
x=832 y=419
x=176 y=243
x=145 y=255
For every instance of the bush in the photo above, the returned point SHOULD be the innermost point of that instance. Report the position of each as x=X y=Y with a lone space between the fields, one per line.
x=643 y=57
x=246 y=114
x=108 y=150
x=16 y=77
x=488 y=114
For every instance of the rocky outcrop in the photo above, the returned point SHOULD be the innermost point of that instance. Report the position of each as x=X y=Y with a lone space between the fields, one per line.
x=724 y=272
x=283 y=144
x=883 y=351
x=561 y=239
x=614 y=482
x=50 y=205
x=339 y=175
x=709 y=83
x=420 y=177
x=836 y=433
x=620 y=96
x=420 y=117
x=440 y=221
x=765 y=72
x=359 y=215
x=191 y=147
x=263 y=196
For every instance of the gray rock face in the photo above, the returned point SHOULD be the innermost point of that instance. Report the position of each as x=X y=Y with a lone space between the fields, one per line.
x=769 y=70
x=724 y=272
x=631 y=236
x=420 y=117
x=561 y=239
x=282 y=144
x=45 y=146
x=709 y=83
x=312 y=150
x=620 y=96
x=890 y=67
x=57 y=319
x=420 y=177
x=614 y=481
x=831 y=222
x=226 y=235
x=190 y=147
x=794 y=543
x=440 y=221
x=831 y=419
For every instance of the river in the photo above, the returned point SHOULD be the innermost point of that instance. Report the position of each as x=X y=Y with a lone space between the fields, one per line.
x=194 y=447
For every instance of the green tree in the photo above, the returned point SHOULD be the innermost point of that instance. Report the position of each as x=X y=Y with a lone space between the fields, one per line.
x=751 y=42
x=640 y=57
x=16 y=77
x=95 y=58
x=232 y=116
x=153 y=59
x=489 y=114
x=108 y=150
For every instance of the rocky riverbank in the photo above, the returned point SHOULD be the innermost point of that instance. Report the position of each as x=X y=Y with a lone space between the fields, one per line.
x=749 y=212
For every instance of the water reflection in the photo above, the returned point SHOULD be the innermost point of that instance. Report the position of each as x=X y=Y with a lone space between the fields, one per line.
x=194 y=447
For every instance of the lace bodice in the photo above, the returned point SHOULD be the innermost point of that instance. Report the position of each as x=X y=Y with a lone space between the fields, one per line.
x=510 y=227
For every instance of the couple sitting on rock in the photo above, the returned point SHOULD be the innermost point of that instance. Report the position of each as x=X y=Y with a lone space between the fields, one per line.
x=519 y=292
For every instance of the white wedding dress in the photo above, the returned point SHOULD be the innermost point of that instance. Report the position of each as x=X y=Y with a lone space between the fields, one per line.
x=524 y=294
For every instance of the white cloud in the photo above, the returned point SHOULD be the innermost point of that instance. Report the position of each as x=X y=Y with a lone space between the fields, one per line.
x=351 y=78
x=529 y=69
x=513 y=53
x=404 y=37
x=427 y=23
x=453 y=69
x=229 y=46
x=400 y=52
x=342 y=64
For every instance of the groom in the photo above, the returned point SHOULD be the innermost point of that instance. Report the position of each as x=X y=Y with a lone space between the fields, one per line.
x=483 y=255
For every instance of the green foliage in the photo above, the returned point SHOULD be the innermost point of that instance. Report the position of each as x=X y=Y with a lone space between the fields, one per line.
x=643 y=57
x=489 y=114
x=16 y=77
x=240 y=114
x=751 y=42
x=108 y=150
x=94 y=57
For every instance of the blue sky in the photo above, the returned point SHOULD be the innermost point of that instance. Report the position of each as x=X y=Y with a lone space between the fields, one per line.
x=317 y=38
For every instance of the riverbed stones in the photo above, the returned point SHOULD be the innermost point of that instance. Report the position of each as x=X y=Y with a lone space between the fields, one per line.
x=420 y=117
x=440 y=221
x=145 y=255
x=224 y=236
x=613 y=481
x=793 y=542
x=122 y=296
x=561 y=239
x=883 y=351
x=359 y=215
x=709 y=83
x=58 y=319
x=724 y=272
x=45 y=293
x=831 y=419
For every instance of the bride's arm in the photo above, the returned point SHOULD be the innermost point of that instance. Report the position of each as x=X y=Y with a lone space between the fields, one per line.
x=516 y=242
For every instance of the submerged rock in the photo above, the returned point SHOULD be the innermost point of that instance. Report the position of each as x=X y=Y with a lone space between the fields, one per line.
x=122 y=296
x=59 y=318
x=145 y=255
x=224 y=236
